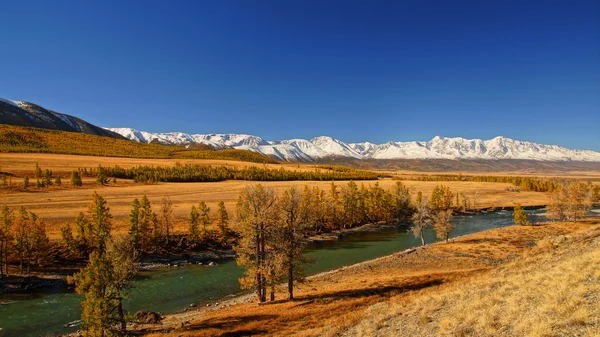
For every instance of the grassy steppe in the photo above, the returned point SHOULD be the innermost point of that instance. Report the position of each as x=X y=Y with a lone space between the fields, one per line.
x=57 y=205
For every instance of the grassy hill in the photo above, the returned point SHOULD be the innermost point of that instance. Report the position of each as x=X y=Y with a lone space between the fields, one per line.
x=33 y=140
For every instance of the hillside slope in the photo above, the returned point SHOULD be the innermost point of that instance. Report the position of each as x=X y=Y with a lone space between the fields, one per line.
x=34 y=140
x=555 y=291
x=20 y=113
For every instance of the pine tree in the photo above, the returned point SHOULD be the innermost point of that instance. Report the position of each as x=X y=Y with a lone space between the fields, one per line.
x=194 y=225
x=443 y=224
x=70 y=245
x=166 y=217
x=22 y=237
x=57 y=181
x=257 y=215
x=3 y=182
x=104 y=283
x=37 y=171
x=441 y=206
x=204 y=219
x=290 y=238
x=76 y=179
x=99 y=223
x=47 y=177
x=7 y=219
x=83 y=233
x=519 y=216
x=350 y=203
x=222 y=221
x=146 y=224
x=134 y=224
x=401 y=202
x=26 y=183
x=105 y=279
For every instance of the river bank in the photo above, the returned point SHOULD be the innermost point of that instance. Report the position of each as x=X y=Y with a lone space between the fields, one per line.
x=329 y=302
x=15 y=283
x=170 y=290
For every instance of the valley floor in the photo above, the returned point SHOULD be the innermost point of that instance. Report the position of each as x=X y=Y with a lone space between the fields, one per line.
x=511 y=281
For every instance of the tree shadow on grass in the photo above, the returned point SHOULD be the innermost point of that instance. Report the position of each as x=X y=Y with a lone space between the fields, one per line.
x=491 y=241
x=230 y=323
x=372 y=291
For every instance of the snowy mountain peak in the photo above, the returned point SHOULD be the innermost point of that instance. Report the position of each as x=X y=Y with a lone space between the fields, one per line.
x=324 y=146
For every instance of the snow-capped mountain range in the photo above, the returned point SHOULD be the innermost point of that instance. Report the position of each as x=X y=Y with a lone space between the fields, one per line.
x=321 y=147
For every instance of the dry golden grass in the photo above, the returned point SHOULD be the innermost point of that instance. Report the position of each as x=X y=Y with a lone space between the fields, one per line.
x=551 y=292
x=365 y=298
x=59 y=205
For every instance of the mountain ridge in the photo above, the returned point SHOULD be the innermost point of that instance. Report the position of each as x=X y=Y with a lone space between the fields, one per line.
x=22 y=113
x=324 y=146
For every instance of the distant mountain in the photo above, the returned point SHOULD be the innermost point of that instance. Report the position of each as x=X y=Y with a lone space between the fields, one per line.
x=21 y=113
x=324 y=147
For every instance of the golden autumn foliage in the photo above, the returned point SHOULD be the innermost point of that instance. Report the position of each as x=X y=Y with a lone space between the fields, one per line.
x=33 y=140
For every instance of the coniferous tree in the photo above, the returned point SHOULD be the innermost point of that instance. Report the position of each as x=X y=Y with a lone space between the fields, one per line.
x=99 y=223
x=104 y=283
x=146 y=224
x=519 y=216
x=22 y=237
x=290 y=238
x=441 y=205
x=107 y=276
x=69 y=243
x=350 y=204
x=134 y=224
x=222 y=222
x=57 y=181
x=194 y=225
x=76 y=179
x=26 y=183
x=401 y=202
x=204 y=219
x=256 y=215
x=7 y=219
x=83 y=234
x=47 y=177
x=37 y=172
x=166 y=217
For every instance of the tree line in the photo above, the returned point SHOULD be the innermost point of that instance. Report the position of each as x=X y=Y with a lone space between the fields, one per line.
x=207 y=173
x=526 y=183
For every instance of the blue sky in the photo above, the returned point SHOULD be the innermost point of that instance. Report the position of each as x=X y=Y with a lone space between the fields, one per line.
x=355 y=70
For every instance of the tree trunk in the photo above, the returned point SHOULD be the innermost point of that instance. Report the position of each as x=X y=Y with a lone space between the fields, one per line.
x=422 y=240
x=273 y=292
x=291 y=282
x=122 y=317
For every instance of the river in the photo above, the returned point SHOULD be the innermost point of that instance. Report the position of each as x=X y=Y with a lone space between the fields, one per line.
x=167 y=291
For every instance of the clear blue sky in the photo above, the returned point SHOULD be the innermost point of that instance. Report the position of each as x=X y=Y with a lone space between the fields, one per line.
x=355 y=70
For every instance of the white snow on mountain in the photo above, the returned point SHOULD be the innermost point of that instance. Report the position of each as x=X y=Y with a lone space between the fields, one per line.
x=320 y=147
x=8 y=101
